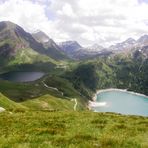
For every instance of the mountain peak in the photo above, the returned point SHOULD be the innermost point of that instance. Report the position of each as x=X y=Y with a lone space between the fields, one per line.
x=143 y=39
x=69 y=45
x=41 y=36
x=130 y=41
x=7 y=24
x=14 y=39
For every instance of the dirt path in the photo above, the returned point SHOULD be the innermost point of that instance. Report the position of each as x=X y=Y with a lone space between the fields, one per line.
x=75 y=105
x=52 y=88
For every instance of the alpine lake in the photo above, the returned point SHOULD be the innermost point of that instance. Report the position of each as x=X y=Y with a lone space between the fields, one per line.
x=123 y=102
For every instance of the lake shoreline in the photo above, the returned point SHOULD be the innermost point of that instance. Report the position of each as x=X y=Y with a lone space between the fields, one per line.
x=94 y=98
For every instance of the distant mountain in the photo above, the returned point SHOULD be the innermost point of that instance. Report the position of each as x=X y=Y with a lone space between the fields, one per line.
x=129 y=43
x=91 y=52
x=18 y=46
x=141 y=53
x=74 y=50
x=143 y=40
x=53 y=49
x=84 y=54
x=40 y=36
x=131 y=46
x=69 y=47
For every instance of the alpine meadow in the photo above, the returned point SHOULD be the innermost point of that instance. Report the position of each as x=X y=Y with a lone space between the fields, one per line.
x=73 y=74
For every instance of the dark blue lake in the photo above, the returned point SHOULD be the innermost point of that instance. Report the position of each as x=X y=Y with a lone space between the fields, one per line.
x=21 y=76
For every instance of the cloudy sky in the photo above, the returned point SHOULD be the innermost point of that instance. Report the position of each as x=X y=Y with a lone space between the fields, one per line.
x=104 y=22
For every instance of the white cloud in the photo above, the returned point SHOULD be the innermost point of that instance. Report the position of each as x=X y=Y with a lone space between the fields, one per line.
x=24 y=13
x=87 y=21
x=66 y=10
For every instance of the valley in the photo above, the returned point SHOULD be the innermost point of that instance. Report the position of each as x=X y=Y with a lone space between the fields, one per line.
x=45 y=89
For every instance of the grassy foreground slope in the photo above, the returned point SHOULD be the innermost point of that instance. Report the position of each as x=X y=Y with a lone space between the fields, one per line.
x=43 y=103
x=48 y=102
x=72 y=129
x=9 y=104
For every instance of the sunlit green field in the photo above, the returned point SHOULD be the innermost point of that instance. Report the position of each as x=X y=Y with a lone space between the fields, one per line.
x=71 y=129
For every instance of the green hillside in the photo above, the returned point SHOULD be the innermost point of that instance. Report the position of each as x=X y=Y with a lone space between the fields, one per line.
x=52 y=111
x=45 y=102
x=18 y=47
x=116 y=72
x=9 y=104
x=72 y=129
x=48 y=102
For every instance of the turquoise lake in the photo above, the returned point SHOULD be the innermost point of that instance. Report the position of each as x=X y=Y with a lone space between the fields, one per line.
x=121 y=102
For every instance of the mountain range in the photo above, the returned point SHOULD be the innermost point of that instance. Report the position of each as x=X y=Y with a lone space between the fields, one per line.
x=75 y=50
x=19 y=46
x=54 y=107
